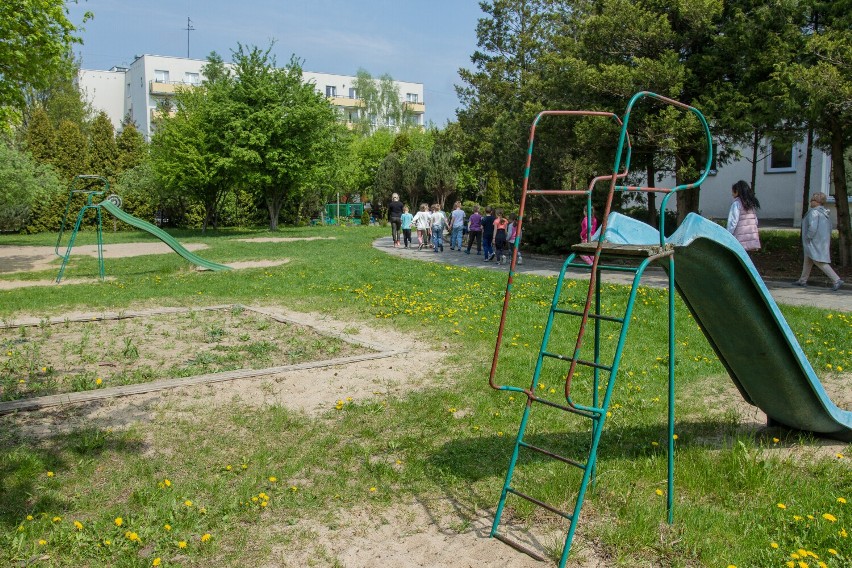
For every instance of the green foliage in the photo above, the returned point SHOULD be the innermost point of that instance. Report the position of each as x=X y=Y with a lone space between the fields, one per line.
x=40 y=137
x=130 y=146
x=72 y=156
x=102 y=157
x=23 y=183
x=37 y=36
x=440 y=178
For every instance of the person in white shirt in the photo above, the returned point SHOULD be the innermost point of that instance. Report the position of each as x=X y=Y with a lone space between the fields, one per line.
x=456 y=227
x=439 y=224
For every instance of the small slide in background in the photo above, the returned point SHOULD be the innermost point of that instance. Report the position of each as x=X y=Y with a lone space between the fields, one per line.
x=125 y=217
x=730 y=302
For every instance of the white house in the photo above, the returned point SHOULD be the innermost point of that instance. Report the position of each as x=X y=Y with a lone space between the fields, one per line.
x=141 y=88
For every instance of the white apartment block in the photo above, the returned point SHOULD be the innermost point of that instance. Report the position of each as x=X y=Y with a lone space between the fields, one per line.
x=141 y=89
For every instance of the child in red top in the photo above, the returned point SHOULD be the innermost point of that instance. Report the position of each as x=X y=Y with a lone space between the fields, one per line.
x=585 y=235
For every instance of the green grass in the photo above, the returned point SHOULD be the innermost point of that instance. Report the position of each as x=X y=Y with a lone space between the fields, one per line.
x=452 y=440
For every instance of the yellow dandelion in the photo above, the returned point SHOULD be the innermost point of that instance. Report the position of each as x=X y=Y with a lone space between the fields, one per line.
x=78 y=525
x=264 y=503
x=773 y=544
x=156 y=561
x=182 y=544
x=107 y=542
x=839 y=456
x=57 y=519
x=775 y=440
x=167 y=483
x=49 y=474
x=841 y=500
x=273 y=479
x=167 y=526
x=118 y=521
x=832 y=551
x=29 y=517
x=188 y=503
x=205 y=537
x=99 y=382
x=782 y=506
x=42 y=542
x=372 y=489
x=228 y=468
x=659 y=491
x=829 y=517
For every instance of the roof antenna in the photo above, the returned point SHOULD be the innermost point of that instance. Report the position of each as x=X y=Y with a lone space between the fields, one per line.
x=188 y=29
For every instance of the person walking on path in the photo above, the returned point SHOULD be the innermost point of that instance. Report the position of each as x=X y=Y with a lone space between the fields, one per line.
x=439 y=224
x=816 y=242
x=501 y=224
x=488 y=234
x=474 y=230
x=422 y=222
x=456 y=226
x=395 y=217
x=742 y=218
x=405 y=223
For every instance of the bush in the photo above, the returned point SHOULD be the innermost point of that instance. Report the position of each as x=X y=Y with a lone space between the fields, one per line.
x=25 y=187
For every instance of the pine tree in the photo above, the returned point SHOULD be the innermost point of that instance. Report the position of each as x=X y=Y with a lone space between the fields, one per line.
x=130 y=146
x=71 y=151
x=103 y=152
x=40 y=138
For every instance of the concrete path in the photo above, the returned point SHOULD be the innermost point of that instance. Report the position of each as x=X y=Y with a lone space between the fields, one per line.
x=782 y=292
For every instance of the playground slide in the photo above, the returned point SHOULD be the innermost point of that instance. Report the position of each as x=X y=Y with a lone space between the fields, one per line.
x=160 y=234
x=742 y=322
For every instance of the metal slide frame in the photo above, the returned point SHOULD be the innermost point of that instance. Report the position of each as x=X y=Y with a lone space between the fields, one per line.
x=597 y=412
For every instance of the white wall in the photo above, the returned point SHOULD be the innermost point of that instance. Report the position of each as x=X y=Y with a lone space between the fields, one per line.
x=104 y=90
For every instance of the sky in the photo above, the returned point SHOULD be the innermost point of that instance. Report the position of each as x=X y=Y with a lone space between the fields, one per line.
x=419 y=41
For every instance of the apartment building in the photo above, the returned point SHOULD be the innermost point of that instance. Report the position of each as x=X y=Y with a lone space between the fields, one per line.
x=141 y=89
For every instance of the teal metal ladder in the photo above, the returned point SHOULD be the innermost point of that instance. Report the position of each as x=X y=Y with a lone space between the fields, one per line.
x=598 y=410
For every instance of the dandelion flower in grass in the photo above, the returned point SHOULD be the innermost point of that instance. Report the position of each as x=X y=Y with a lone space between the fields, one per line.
x=773 y=544
x=167 y=483
x=98 y=381
x=118 y=521
x=782 y=506
x=839 y=500
x=659 y=491
x=188 y=503
x=839 y=456
x=167 y=526
x=57 y=519
x=182 y=544
x=790 y=564
x=107 y=542
x=49 y=474
x=655 y=444
x=829 y=517
x=156 y=562
x=775 y=440
x=272 y=479
x=372 y=489
x=79 y=526
x=42 y=542
x=832 y=551
x=205 y=537
x=228 y=467
x=29 y=517
x=264 y=503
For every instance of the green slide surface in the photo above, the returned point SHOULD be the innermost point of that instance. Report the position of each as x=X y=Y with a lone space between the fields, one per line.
x=738 y=316
x=125 y=217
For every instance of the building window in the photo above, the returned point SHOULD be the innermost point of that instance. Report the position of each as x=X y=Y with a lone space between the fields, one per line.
x=330 y=91
x=161 y=76
x=192 y=78
x=353 y=93
x=411 y=97
x=781 y=158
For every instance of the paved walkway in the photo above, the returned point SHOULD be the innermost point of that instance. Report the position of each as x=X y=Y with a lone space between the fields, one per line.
x=782 y=292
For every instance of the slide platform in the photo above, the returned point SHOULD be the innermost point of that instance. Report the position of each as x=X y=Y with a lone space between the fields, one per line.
x=731 y=304
x=125 y=217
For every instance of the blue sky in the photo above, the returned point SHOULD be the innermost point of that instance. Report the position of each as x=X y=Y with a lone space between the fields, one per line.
x=422 y=41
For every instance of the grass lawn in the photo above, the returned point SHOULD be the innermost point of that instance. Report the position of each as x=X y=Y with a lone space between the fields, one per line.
x=202 y=484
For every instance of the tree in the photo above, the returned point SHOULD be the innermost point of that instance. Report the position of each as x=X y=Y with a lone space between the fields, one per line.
x=388 y=178
x=37 y=36
x=24 y=182
x=281 y=129
x=441 y=173
x=189 y=153
x=103 y=152
x=130 y=145
x=382 y=105
x=40 y=137
x=414 y=176
x=71 y=156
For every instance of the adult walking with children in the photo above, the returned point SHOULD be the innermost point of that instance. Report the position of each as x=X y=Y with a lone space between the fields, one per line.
x=816 y=242
x=395 y=218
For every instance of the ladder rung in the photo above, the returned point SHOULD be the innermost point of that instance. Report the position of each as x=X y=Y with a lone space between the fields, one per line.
x=593 y=316
x=563 y=459
x=592 y=415
x=520 y=547
x=605 y=267
x=541 y=504
x=579 y=361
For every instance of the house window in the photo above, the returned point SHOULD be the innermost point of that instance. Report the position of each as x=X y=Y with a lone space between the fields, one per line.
x=782 y=157
x=353 y=93
x=411 y=97
x=191 y=78
x=161 y=76
x=330 y=91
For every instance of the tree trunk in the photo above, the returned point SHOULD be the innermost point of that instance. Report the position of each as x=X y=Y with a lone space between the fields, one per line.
x=273 y=205
x=806 y=189
x=841 y=195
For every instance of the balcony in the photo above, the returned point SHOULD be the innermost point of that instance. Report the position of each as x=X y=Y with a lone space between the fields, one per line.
x=167 y=88
x=158 y=113
x=346 y=102
x=416 y=108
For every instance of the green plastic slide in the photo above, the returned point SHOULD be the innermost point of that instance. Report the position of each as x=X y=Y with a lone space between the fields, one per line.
x=731 y=304
x=125 y=217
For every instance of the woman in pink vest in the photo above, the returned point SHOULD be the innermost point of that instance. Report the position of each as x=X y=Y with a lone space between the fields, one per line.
x=742 y=219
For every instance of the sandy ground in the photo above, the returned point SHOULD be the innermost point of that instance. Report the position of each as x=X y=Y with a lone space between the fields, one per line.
x=17 y=259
